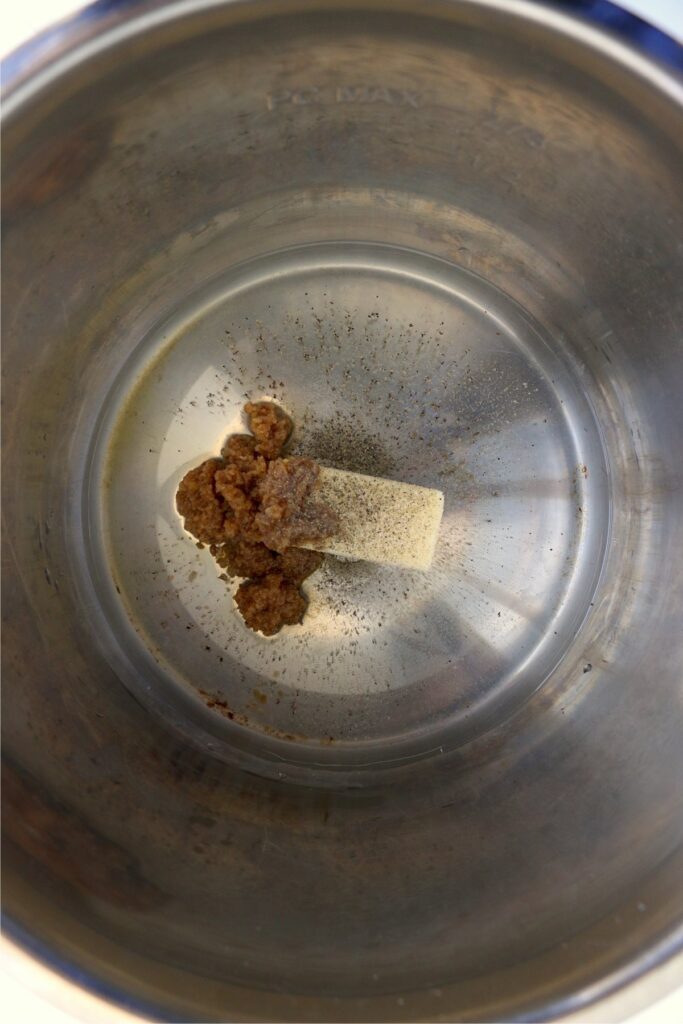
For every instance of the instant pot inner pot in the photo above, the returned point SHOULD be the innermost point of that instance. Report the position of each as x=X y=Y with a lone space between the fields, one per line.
x=449 y=244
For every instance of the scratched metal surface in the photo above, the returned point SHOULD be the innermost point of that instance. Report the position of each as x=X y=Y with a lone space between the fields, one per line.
x=448 y=243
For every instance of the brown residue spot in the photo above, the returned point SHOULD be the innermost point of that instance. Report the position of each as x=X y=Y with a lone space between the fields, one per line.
x=221 y=705
x=252 y=508
x=68 y=848
x=46 y=173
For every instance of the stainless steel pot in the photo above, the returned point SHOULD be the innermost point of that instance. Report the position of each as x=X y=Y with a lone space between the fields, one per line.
x=448 y=237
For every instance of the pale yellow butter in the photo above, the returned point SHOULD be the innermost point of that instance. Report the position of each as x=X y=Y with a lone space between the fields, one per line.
x=382 y=521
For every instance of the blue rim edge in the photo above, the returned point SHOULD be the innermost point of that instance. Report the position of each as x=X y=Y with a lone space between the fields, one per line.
x=75 y=974
x=631 y=27
x=607 y=15
x=603 y=13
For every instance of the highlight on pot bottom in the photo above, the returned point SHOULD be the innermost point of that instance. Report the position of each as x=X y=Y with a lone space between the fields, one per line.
x=342 y=512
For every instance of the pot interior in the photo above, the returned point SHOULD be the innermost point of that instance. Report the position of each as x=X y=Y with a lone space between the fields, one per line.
x=447 y=240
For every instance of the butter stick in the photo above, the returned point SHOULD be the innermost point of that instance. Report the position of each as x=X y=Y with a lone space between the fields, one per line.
x=380 y=520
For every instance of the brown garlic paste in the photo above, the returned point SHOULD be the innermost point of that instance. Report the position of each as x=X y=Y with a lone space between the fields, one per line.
x=252 y=507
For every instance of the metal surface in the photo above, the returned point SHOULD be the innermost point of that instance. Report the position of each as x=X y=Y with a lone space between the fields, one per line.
x=449 y=242
x=390 y=363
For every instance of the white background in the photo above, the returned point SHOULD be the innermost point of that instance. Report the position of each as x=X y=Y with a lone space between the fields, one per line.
x=27 y=993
